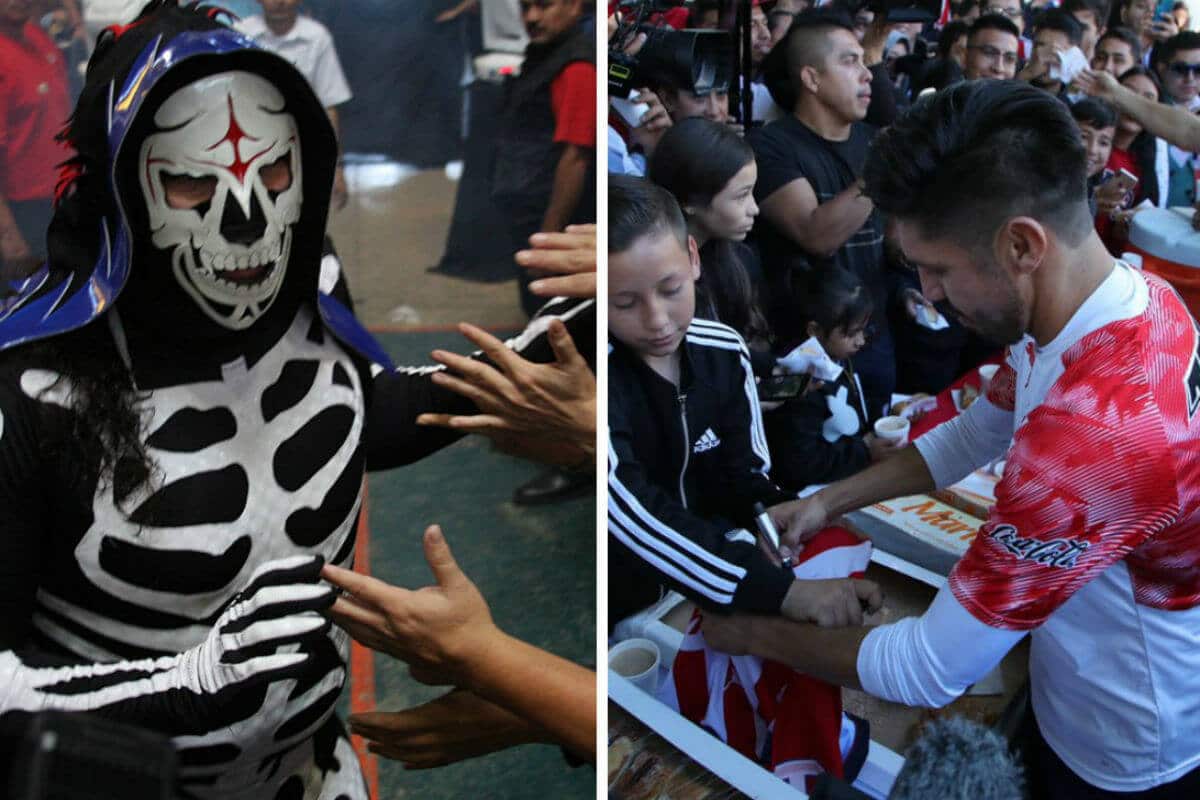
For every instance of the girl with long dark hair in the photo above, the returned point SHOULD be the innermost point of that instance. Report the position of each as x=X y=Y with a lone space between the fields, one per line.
x=711 y=172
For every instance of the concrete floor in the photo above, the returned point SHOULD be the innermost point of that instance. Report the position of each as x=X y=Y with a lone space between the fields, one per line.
x=535 y=566
x=392 y=230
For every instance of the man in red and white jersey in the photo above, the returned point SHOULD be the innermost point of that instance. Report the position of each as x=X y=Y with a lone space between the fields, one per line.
x=1093 y=546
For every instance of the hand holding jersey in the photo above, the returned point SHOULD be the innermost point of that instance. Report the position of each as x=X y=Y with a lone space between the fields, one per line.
x=1092 y=546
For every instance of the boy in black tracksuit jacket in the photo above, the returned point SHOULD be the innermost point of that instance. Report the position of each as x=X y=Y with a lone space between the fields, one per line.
x=687 y=452
x=686 y=466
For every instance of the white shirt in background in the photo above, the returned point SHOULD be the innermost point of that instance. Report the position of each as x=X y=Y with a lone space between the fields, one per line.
x=309 y=47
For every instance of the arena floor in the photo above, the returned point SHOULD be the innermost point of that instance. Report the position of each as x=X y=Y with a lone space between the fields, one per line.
x=535 y=566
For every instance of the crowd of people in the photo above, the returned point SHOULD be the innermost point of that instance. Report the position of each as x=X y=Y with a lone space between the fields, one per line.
x=188 y=404
x=912 y=199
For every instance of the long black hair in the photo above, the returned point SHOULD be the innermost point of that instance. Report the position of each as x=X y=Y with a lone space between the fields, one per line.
x=694 y=161
x=102 y=446
x=1144 y=147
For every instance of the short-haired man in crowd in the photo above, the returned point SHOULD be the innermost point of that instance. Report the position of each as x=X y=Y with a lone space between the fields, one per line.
x=993 y=48
x=1092 y=546
x=1177 y=62
x=811 y=201
x=1090 y=16
x=1117 y=50
x=1054 y=33
x=1013 y=11
x=546 y=147
x=1138 y=16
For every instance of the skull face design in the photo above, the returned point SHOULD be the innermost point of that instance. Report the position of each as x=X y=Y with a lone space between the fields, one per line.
x=222 y=184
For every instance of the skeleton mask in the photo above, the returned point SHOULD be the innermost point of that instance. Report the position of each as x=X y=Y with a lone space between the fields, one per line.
x=222 y=184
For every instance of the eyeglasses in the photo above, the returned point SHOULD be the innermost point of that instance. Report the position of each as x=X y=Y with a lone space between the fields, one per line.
x=1012 y=13
x=991 y=53
x=1184 y=69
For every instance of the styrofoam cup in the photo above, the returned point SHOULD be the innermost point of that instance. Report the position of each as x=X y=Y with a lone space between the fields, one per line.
x=637 y=661
x=892 y=428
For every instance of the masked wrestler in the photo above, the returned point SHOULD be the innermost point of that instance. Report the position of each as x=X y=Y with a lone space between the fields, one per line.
x=186 y=414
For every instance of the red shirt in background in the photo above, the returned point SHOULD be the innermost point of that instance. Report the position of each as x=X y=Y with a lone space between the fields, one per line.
x=1114 y=240
x=34 y=106
x=573 y=98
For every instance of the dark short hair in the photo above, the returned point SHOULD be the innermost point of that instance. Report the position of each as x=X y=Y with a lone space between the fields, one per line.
x=1099 y=9
x=993 y=22
x=811 y=27
x=950 y=34
x=1094 y=112
x=1165 y=51
x=1055 y=19
x=695 y=159
x=637 y=207
x=808 y=28
x=1019 y=145
x=834 y=297
x=1127 y=36
x=1145 y=72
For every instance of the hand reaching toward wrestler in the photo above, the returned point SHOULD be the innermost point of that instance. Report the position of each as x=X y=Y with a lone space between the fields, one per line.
x=446 y=635
x=456 y=726
x=570 y=255
x=442 y=631
x=542 y=411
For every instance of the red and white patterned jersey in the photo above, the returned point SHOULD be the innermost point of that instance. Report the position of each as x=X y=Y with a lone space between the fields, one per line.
x=1094 y=541
x=789 y=722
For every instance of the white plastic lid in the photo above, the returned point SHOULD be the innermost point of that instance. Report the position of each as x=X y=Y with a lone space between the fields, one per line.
x=1167 y=233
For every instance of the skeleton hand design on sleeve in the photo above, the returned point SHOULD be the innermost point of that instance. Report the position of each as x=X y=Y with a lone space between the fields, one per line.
x=281 y=605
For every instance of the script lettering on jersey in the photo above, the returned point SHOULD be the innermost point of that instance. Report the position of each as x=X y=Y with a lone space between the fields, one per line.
x=1192 y=379
x=1058 y=553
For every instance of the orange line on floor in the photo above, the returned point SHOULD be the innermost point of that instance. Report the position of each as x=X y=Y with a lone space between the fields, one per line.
x=362 y=660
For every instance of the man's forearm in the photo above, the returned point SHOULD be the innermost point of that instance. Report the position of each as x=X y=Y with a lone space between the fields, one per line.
x=551 y=692
x=569 y=178
x=833 y=222
x=828 y=654
x=1173 y=123
x=903 y=474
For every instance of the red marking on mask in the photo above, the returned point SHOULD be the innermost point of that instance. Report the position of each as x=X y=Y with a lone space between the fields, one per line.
x=234 y=136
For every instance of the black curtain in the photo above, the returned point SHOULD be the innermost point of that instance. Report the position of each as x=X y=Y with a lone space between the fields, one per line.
x=404 y=70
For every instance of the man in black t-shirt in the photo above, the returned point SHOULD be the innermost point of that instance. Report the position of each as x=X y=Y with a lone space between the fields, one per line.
x=813 y=209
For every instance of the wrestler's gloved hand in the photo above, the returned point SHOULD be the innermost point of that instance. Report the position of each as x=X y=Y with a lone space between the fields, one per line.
x=280 y=605
x=209 y=686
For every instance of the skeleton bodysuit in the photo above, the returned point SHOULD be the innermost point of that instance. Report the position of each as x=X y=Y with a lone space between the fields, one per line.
x=261 y=404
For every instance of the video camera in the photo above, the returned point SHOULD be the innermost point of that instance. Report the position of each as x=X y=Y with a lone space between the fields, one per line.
x=698 y=60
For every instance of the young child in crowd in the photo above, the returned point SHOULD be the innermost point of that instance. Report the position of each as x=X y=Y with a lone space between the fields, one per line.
x=1097 y=122
x=688 y=456
x=825 y=434
x=710 y=171
x=687 y=462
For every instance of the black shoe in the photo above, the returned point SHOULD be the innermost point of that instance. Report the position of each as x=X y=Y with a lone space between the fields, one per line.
x=553 y=486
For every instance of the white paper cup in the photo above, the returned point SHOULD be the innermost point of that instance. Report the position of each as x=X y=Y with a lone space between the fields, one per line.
x=892 y=428
x=986 y=373
x=637 y=661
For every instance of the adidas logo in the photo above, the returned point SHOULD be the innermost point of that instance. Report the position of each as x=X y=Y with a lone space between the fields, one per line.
x=706 y=442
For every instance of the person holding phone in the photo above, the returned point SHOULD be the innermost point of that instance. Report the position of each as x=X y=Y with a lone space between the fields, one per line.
x=825 y=434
